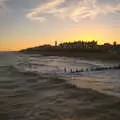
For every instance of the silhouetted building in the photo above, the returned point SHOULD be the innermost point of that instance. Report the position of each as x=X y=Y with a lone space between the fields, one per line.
x=114 y=43
x=56 y=43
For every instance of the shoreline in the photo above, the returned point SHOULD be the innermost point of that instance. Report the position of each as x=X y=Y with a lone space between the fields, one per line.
x=89 y=50
x=104 y=56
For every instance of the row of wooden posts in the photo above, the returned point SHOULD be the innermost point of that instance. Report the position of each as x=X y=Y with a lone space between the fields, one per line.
x=92 y=69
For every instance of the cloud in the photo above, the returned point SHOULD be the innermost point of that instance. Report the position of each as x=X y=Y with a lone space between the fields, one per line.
x=82 y=9
x=49 y=8
x=90 y=9
x=2 y=4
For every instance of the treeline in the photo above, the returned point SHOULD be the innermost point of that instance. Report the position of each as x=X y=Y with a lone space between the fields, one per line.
x=76 y=47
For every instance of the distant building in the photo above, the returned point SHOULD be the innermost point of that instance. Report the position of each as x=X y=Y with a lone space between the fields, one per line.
x=56 y=43
x=114 y=43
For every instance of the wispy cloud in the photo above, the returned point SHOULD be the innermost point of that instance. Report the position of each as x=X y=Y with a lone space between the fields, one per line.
x=47 y=8
x=83 y=9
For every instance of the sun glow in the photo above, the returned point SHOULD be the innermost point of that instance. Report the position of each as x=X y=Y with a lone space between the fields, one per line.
x=42 y=22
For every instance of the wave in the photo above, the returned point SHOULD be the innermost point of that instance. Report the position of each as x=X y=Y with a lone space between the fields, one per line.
x=31 y=64
x=12 y=70
x=29 y=95
x=48 y=97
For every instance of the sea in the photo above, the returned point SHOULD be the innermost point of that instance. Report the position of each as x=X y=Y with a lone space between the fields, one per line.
x=35 y=87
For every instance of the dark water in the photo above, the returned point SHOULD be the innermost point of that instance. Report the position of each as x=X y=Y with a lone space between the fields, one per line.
x=33 y=87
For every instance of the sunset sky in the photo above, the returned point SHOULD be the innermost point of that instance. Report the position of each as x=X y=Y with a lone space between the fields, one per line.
x=27 y=23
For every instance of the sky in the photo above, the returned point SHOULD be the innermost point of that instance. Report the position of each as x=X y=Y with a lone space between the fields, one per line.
x=28 y=23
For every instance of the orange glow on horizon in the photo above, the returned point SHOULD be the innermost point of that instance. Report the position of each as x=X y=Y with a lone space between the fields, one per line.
x=86 y=33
